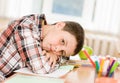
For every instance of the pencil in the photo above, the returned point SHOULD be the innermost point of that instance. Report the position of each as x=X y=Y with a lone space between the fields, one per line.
x=115 y=65
x=110 y=67
x=101 y=67
x=105 y=67
x=88 y=56
x=97 y=66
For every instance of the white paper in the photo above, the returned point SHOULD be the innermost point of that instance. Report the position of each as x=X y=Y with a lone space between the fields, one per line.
x=58 y=73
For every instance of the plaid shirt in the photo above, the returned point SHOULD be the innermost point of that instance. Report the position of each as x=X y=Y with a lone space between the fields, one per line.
x=20 y=43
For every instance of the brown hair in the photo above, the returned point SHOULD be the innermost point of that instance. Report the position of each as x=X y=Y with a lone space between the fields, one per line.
x=77 y=31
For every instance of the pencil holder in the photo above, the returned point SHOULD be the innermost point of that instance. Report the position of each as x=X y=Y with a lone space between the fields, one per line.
x=106 y=67
x=102 y=74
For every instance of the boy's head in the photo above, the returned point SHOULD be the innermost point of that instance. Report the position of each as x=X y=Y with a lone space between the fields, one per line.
x=77 y=31
x=63 y=38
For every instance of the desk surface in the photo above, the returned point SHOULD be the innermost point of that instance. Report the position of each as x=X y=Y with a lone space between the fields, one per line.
x=80 y=75
x=87 y=75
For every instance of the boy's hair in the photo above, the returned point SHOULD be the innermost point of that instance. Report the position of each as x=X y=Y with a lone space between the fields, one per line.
x=77 y=31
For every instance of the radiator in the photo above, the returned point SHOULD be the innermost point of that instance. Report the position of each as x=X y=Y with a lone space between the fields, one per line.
x=102 y=45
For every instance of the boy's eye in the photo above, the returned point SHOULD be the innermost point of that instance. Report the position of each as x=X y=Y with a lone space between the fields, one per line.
x=62 y=42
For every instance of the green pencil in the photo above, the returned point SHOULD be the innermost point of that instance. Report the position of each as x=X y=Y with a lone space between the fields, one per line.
x=97 y=66
x=115 y=65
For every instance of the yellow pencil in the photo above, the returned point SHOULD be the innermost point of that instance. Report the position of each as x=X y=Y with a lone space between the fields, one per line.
x=101 y=66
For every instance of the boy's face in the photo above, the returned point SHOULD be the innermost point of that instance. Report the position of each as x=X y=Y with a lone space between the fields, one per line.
x=59 y=42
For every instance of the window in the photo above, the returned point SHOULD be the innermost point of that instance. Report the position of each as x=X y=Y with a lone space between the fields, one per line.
x=62 y=10
x=18 y=8
x=95 y=15
x=73 y=9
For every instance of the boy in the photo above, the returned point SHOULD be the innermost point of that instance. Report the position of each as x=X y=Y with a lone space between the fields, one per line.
x=31 y=42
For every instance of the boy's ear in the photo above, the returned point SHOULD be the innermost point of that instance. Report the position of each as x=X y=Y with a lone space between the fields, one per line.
x=60 y=24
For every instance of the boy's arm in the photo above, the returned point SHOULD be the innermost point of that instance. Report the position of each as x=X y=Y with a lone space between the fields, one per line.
x=52 y=59
x=29 y=47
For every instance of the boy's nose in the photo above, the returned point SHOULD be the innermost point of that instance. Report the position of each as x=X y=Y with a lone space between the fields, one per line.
x=57 y=49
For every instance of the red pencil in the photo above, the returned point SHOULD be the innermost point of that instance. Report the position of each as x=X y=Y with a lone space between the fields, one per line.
x=88 y=56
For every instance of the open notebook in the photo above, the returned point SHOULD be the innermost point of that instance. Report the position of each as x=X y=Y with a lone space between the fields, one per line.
x=58 y=73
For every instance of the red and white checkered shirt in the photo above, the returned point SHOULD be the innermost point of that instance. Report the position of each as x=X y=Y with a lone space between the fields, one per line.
x=20 y=43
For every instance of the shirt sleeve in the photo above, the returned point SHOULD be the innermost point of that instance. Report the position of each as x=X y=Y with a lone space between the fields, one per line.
x=28 y=44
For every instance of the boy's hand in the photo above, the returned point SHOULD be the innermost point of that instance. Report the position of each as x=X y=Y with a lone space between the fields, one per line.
x=51 y=58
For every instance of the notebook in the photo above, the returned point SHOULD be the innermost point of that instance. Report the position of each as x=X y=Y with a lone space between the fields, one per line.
x=62 y=70
x=19 y=78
